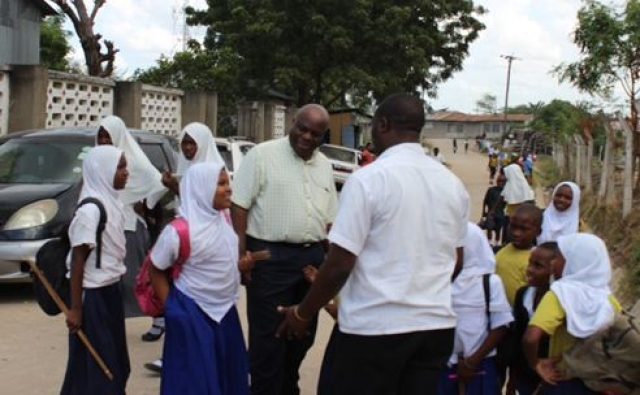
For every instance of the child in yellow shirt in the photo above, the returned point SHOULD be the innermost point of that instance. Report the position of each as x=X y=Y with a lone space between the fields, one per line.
x=578 y=304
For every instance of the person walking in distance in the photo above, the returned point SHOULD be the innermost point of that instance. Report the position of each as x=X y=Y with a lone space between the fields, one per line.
x=401 y=223
x=284 y=201
x=455 y=145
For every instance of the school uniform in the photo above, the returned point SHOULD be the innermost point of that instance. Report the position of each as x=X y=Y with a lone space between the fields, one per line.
x=578 y=304
x=204 y=351
x=473 y=324
x=144 y=184
x=526 y=379
x=102 y=306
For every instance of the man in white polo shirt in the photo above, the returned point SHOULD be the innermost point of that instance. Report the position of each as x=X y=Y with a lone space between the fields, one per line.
x=393 y=251
x=284 y=199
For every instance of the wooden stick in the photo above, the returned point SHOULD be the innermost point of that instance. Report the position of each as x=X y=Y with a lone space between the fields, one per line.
x=261 y=255
x=63 y=307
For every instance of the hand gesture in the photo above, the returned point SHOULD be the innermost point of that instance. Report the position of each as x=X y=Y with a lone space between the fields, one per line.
x=466 y=369
x=169 y=181
x=548 y=371
x=246 y=262
x=293 y=324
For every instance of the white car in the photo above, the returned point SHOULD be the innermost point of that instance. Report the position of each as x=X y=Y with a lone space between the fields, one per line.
x=343 y=160
x=233 y=150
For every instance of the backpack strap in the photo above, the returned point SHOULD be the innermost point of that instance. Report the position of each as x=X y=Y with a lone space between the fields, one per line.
x=487 y=298
x=182 y=227
x=102 y=223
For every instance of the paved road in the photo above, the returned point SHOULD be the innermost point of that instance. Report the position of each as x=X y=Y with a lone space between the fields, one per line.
x=33 y=346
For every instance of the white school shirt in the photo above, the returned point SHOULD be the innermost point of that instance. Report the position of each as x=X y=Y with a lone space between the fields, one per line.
x=289 y=199
x=83 y=231
x=213 y=285
x=403 y=216
x=471 y=328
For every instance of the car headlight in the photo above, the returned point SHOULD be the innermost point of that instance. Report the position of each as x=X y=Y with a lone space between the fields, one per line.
x=32 y=215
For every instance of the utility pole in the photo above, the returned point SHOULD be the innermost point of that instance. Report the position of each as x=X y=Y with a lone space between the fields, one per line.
x=509 y=58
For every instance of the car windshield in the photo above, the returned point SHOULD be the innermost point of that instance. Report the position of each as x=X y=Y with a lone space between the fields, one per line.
x=226 y=155
x=336 y=153
x=27 y=161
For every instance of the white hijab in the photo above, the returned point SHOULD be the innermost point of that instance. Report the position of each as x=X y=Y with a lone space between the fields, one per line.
x=557 y=223
x=98 y=171
x=479 y=259
x=583 y=290
x=145 y=181
x=517 y=189
x=207 y=149
x=208 y=230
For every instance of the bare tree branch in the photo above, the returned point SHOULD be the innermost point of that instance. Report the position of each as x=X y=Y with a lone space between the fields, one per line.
x=96 y=6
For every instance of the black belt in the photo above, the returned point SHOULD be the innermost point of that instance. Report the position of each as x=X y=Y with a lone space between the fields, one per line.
x=285 y=244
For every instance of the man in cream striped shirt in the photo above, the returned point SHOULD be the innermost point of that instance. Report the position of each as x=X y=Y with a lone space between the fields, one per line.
x=284 y=200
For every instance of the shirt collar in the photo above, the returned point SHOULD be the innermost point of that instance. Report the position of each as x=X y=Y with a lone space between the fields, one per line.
x=402 y=147
x=295 y=155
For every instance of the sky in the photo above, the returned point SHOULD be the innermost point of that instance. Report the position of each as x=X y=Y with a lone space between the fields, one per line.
x=537 y=32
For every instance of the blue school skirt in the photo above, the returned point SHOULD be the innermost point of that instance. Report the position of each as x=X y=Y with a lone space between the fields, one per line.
x=201 y=356
x=103 y=323
x=486 y=383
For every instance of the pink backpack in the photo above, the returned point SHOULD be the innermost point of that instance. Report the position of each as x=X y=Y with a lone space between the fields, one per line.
x=147 y=299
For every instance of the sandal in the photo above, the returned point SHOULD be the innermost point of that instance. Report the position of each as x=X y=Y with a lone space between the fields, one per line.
x=153 y=334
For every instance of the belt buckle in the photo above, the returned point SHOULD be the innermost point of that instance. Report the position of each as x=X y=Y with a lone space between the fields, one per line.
x=306 y=245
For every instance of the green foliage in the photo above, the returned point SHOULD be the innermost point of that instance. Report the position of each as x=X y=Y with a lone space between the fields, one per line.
x=54 y=44
x=487 y=104
x=331 y=51
x=609 y=43
x=559 y=119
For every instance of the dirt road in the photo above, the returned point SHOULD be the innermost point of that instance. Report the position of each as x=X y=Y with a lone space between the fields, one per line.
x=33 y=349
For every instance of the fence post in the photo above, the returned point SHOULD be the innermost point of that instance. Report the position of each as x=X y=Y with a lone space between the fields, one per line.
x=588 y=185
x=579 y=157
x=627 y=200
x=606 y=164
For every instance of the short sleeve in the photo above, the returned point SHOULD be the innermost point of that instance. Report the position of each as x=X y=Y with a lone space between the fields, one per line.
x=165 y=251
x=351 y=225
x=245 y=180
x=462 y=227
x=501 y=312
x=549 y=315
x=84 y=226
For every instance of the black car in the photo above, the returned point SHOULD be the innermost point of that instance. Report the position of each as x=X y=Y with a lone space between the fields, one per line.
x=40 y=181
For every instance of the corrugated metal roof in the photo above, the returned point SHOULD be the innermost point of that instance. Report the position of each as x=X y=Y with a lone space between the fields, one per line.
x=44 y=7
x=455 y=116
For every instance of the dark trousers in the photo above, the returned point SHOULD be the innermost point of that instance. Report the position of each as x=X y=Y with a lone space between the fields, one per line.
x=279 y=281
x=402 y=364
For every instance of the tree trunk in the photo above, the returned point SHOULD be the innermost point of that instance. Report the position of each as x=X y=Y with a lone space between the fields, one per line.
x=627 y=200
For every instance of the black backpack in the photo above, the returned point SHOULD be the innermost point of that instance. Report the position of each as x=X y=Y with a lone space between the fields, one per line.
x=51 y=261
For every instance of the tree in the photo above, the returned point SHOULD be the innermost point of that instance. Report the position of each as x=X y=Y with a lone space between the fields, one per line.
x=83 y=23
x=334 y=51
x=559 y=119
x=487 y=104
x=54 y=44
x=609 y=42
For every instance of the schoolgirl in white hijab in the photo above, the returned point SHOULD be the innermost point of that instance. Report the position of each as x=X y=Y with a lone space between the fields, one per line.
x=145 y=181
x=200 y=309
x=476 y=335
x=467 y=295
x=145 y=184
x=583 y=290
x=96 y=304
x=557 y=222
x=207 y=151
x=517 y=189
x=98 y=171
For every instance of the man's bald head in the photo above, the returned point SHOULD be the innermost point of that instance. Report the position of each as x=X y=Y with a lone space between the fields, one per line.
x=403 y=111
